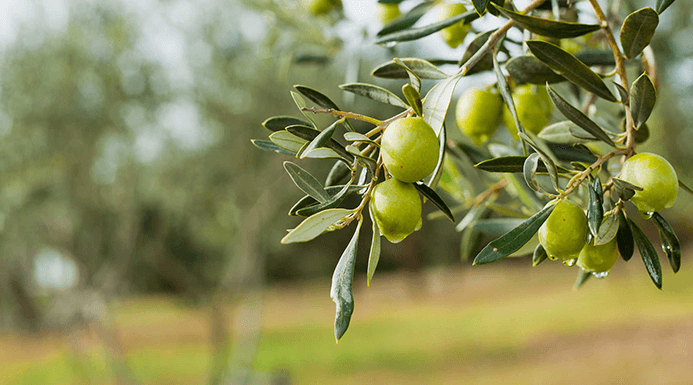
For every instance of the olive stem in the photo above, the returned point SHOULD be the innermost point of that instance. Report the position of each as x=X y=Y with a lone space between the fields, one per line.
x=575 y=181
x=344 y=114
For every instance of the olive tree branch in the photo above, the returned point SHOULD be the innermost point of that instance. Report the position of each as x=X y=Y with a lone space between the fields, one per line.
x=343 y=114
x=576 y=180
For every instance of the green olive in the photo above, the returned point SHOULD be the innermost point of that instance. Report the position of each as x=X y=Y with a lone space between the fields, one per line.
x=564 y=233
x=388 y=12
x=533 y=106
x=396 y=208
x=409 y=148
x=454 y=34
x=657 y=178
x=320 y=7
x=478 y=114
x=598 y=259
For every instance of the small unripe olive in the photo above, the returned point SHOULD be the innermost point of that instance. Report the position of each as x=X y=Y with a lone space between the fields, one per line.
x=564 y=233
x=657 y=178
x=396 y=208
x=598 y=259
x=320 y=7
x=388 y=12
x=533 y=106
x=478 y=114
x=454 y=34
x=409 y=148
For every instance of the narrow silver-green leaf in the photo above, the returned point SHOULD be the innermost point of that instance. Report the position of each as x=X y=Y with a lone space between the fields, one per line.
x=278 y=123
x=546 y=159
x=435 y=199
x=685 y=188
x=368 y=161
x=547 y=27
x=358 y=137
x=624 y=237
x=637 y=31
x=486 y=62
x=414 y=79
x=625 y=190
x=648 y=253
x=498 y=226
x=607 y=230
x=315 y=225
x=643 y=96
x=271 y=147
x=373 y=92
x=582 y=277
x=331 y=203
x=301 y=104
x=570 y=68
x=561 y=132
x=309 y=134
x=374 y=253
x=539 y=255
x=342 y=281
x=512 y=163
x=408 y=19
x=514 y=239
x=308 y=201
x=529 y=69
x=576 y=116
x=437 y=102
x=670 y=242
x=287 y=141
x=321 y=139
x=529 y=170
x=306 y=182
x=438 y=171
x=622 y=93
x=418 y=33
x=322 y=100
x=595 y=206
x=422 y=68
x=509 y=102
x=413 y=98
x=480 y=6
x=662 y=5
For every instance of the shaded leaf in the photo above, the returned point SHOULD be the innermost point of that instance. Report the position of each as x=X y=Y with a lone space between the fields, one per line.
x=648 y=253
x=607 y=230
x=480 y=5
x=358 y=137
x=438 y=171
x=582 y=277
x=662 y=5
x=562 y=132
x=622 y=93
x=530 y=170
x=486 y=62
x=413 y=98
x=514 y=239
x=529 y=69
x=624 y=237
x=570 y=154
x=278 y=123
x=306 y=182
x=550 y=28
x=670 y=242
x=366 y=160
x=422 y=68
x=624 y=190
x=685 y=188
x=417 y=33
x=332 y=191
x=337 y=173
x=595 y=206
x=301 y=104
x=271 y=147
x=331 y=203
x=435 y=199
x=508 y=99
x=374 y=253
x=548 y=162
x=308 y=133
x=570 y=67
x=576 y=116
x=643 y=96
x=322 y=100
x=342 y=281
x=315 y=225
x=539 y=255
x=637 y=31
x=437 y=102
x=377 y=93
x=407 y=20
x=510 y=164
x=322 y=138
x=498 y=226
x=319 y=153
x=413 y=77
x=288 y=141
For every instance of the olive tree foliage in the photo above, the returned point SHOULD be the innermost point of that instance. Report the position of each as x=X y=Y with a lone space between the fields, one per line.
x=589 y=60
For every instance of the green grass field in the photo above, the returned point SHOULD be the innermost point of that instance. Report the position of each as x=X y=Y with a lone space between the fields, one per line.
x=488 y=324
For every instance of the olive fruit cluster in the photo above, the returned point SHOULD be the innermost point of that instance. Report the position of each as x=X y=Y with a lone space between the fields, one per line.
x=533 y=106
x=478 y=114
x=409 y=149
x=454 y=34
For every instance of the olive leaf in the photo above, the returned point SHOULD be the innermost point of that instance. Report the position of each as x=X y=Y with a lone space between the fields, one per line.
x=622 y=93
x=529 y=69
x=408 y=19
x=414 y=79
x=322 y=100
x=271 y=147
x=374 y=253
x=301 y=104
x=373 y=92
x=570 y=67
x=582 y=277
x=486 y=62
x=342 y=282
x=437 y=102
x=624 y=237
x=546 y=27
x=530 y=170
x=546 y=159
x=308 y=201
x=306 y=182
x=315 y=225
x=413 y=98
x=643 y=96
x=539 y=255
x=662 y=5
x=321 y=139
x=607 y=230
x=288 y=141
x=438 y=171
x=278 y=123
x=308 y=133
x=569 y=153
x=648 y=253
x=595 y=206
x=670 y=242
x=514 y=239
x=333 y=202
x=337 y=173
x=562 y=132
x=637 y=31
x=685 y=188
x=497 y=226
x=358 y=137
x=625 y=190
x=422 y=68
x=480 y=6
x=435 y=199
x=576 y=116
x=513 y=163
x=417 y=33
x=509 y=102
